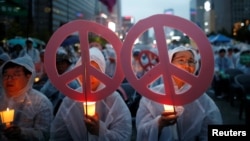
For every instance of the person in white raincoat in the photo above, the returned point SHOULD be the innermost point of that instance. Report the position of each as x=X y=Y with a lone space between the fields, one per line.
x=191 y=120
x=112 y=121
x=33 y=111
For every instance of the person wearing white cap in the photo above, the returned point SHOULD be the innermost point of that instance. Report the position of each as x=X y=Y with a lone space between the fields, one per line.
x=111 y=122
x=31 y=50
x=33 y=111
x=188 y=122
x=110 y=60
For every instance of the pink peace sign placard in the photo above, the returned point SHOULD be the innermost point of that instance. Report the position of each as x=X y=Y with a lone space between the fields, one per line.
x=164 y=68
x=85 y=69
x=151 y=57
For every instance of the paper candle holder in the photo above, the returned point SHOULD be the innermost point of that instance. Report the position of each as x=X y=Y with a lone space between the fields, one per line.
x=168 y=108
x=90 y=108
x=7 y=116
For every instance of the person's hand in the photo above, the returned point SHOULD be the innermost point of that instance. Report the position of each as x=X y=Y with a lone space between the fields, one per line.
x=92 y=124
x=167 y=119
x=12 y=132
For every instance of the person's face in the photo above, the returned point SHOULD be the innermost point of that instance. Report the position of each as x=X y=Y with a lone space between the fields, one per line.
x=42 y=56
x=29 y=44
x=94 y=81
x=14 y=80
x=222 y=54
x=62 y=66
x=183 y=60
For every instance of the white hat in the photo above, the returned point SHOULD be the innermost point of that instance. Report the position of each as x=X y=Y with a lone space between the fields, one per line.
x=30 y=40
x=5 y=57
x=97 y=56
x=171 y=53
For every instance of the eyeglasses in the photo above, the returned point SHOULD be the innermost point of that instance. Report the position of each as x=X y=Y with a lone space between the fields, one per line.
x=13 y=76
x=181 y=61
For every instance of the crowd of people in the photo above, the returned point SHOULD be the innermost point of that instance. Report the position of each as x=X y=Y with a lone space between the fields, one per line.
x=43 y=112
x=227 y=58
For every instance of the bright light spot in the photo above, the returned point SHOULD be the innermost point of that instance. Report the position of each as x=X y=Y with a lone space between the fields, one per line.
x=111 y=25
x=207 y=6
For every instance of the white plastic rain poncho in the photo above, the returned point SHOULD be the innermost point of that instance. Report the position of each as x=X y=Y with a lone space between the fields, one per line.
x=191 y=125
x=115 y=117
x=33 y=111
x=48 y=89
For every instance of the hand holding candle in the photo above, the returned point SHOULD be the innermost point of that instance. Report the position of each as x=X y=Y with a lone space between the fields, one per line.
x=168 y=116
x=91 y=118
x=171 y=118
x=92 y=124
x=7 y=116
x=89 y=108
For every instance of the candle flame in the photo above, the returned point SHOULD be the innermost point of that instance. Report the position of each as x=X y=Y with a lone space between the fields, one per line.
x=37 y=79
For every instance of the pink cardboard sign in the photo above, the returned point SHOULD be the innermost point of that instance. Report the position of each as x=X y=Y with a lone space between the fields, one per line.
x=164 y=68
x=85 y=69
x=151 y=57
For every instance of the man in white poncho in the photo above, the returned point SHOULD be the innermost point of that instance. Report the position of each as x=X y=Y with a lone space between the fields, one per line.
x=111 y=123
x=33 y=111
x=191 y=120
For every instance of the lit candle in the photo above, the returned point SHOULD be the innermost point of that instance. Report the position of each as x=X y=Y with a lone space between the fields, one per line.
x=7 y=116
x=168 y=108
x=90 y=108
x=37 y=79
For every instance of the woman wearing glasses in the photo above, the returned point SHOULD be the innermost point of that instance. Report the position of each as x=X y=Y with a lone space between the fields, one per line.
x=190 y=121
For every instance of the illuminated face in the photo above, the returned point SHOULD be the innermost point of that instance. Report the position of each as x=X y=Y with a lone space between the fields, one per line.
x=94 y=81
x=183 y=60
x=14 y=80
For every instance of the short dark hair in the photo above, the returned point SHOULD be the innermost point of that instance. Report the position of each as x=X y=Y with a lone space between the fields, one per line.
x=14 y=65
x=29 y=41
x=230 y=49
x=222 y=50
x=63 y=58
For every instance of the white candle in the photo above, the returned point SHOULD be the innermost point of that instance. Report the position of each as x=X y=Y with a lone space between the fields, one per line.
x=7 y=116
x=168 y=108
x=90 y=108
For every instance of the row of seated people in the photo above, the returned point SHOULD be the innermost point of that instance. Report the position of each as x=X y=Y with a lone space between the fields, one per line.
x=34 y=110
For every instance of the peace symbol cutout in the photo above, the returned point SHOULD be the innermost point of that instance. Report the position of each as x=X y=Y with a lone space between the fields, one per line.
x=150 y=57
x=164 y=68
x=85 y=69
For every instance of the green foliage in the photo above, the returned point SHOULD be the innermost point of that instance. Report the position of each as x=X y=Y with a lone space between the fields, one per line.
x=98 y=39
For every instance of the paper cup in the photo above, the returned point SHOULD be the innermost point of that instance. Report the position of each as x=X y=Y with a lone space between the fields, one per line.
x=90 y=108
